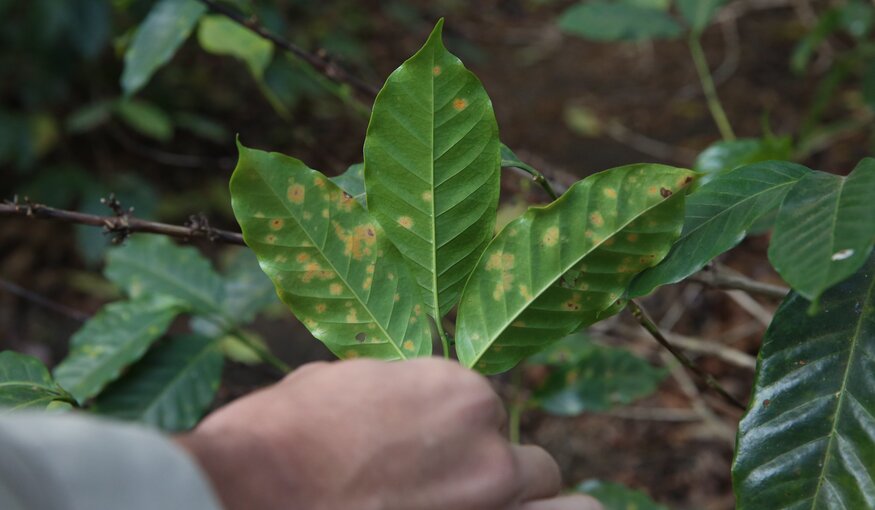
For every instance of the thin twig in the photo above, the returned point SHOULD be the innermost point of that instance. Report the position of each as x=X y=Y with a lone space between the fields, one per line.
x=323 y=65
x=122 y=225
x=720 y=277
x=710 y=90
x=43 y=301
x=538 y=178
x=647 y=323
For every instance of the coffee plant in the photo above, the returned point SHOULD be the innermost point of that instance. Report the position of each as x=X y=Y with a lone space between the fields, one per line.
x=400 y=254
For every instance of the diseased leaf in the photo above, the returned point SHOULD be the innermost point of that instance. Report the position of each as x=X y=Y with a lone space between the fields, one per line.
x=698 y=13
x=25 y=383
x=600 y=20
x=171 y=388
x=564 y=266
x=614 y=496
x=808 y=438
x=597 y=378
x=167 y=26
x=220 y=35
x=432 y=169
x=149 y=264
x=330 y=262
x=116 y=337
x=825 y=229
x=352 y=182
x=718 y=216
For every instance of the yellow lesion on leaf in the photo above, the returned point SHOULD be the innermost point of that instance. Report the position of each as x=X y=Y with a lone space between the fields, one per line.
x=280 y=259
x=406 y=222
x=270 y=239
x=503 y=286
x=358 y=243
x=408 y=345
x=319 y=182
x=573 y=304
x=632 y=238
x=345 y=202
x=325 y=213
x=426 y=196
x=302 y=257
x=296 y=194
x=524 y=292
x=436 y=70
x=518 y=324
x=335 y=289
x=551 y=237
x=610 y=192
x=352 y=316
x=396 y=297
x=276 y=224
x=460 y=104
x=321 y=307
x=351 y=354
x=315 y=270
x=500 y=261
x=367 y=283
x=596 y=219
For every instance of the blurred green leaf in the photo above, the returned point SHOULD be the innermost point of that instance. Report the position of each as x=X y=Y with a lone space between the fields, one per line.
x=614 y=496
x=25 y=383
x=203 y=127
x=222 y=36
x=827 y=23
x=150 y=264
x=145 y=118
x=600 y=20
x=117 y=336
x=807 y=438
x=718 y=216
x=170 y=388
x=167 y=26
x=727 y=155
x=698 y=13
x=569 y=350
x=248 y=290
x=90 y=116
x=825 y=229
x=582 y=120
x=597 y=378
x=857 y=17
x=91 y=23
x=236 y=350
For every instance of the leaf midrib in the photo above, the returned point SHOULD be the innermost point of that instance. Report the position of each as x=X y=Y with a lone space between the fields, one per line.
x=334 y=268
x=213 y=305
x=208 y=346
x=562 y=272
x=842 y=392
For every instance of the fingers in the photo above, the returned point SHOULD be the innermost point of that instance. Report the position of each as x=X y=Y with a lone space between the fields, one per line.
x=577 y=502
x=539 y=473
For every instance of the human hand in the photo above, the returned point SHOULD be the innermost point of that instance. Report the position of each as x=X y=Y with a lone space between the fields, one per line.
x=370 y=435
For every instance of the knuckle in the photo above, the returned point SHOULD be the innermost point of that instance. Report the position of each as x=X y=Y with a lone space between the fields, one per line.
x=501 y=474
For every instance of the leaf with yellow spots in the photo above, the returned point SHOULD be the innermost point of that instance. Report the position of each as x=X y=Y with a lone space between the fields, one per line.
x=329 y=260
x=432 y=168
x=117 y=336
x=561 y=267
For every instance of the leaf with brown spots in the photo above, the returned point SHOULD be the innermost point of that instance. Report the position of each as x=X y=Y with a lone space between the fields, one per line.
x=561 y=267
x=329 y=260
x=432 y=168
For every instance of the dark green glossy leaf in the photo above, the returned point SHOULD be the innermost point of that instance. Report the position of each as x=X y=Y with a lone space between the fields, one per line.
x=432 y=169
x=808 y=438
x=600 y=20
x=171 y=388
x=25 y=383
x=597 y=379
x=825 y=229
x=118 y=335
x=718 y=216
x=727 y=155
x=167 y=26
x=510 y=160
x=149 y=264
x=614 y=496
x=698 y=13
x=330 y=262
x=564 y=266
x=222 y=36
x=352 y=182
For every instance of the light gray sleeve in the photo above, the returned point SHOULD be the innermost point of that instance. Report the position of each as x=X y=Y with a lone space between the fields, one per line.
x=76 y=462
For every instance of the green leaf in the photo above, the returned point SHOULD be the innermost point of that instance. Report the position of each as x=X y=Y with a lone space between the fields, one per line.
x=561 y=267
x=825 y=229
x=330 y=262
x=614 y=496
x=167 y=26
x=727 y=155
x=352 y=182
x=117 y=336
x=25 y=383
x=145 y=118
x=600 y=20
x=248 y=291
x=510 y=160
x=570 y=349
x=432 y=169
x=718 y=216
x=171 y=388
x=149 y=264
x=597 y=379
x=698 y=13
x=222 y=36
x=827 y=23
x=808 y=438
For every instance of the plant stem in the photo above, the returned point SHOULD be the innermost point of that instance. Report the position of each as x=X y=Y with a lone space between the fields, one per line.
x=445 y=341
x=709 y=89
x=265 y=355
x=647 y=323
x=720 y=277
x=515 y=412
x=539 y=178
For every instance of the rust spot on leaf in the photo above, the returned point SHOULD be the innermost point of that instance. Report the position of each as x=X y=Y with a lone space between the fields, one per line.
x=296 y=194
x=597 y=219
x=460 y=104
x=551 y=237
x=664 y=192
